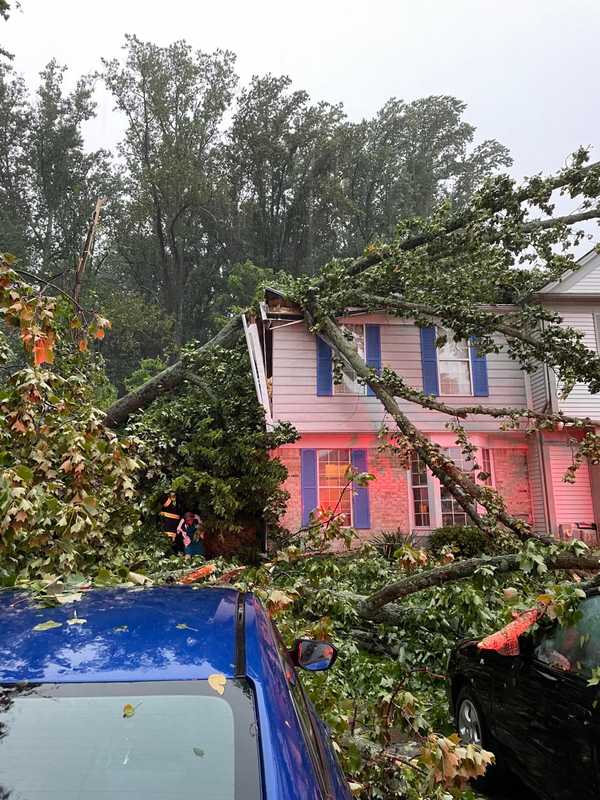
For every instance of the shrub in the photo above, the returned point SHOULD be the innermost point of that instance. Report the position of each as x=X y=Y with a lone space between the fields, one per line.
x=387 y=542
x=463 y=540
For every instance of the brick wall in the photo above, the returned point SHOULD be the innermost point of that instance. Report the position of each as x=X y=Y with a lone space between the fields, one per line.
x=388 y=493
x=292 y=519
x=512 y=480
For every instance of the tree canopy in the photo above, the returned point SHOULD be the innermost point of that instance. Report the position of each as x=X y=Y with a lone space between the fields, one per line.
x=211 y=176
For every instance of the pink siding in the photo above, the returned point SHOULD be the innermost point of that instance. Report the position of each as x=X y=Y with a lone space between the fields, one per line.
x=572 y=501
x=390 y=494
x=294 y=384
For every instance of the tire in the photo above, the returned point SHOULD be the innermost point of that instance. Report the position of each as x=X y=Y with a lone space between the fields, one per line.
x=472 y=729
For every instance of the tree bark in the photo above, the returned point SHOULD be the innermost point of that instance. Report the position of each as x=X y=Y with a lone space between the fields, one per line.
x=372 y=607
x=170 y=378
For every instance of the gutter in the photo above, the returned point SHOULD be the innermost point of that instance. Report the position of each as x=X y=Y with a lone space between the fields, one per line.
x=258 y=369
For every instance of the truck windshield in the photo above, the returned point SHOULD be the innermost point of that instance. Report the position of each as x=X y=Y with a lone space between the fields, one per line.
x=137 y=741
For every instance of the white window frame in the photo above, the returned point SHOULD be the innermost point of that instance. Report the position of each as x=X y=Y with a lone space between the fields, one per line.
x=450 y=335
x=359 y=389
x=412 y=487
x=435 y=493
x=350 y=522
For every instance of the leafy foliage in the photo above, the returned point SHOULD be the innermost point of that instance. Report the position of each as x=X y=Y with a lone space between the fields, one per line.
x=385 y=700
x=67 y=493
x=208 y=445
x=462 y=540
x=140 y=331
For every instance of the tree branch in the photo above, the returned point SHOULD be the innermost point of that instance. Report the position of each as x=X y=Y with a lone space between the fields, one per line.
x=398 y=304
x=568 y=219
x=36 y=278
x=459 y=570
x=168 y=379
x=464 y=218
x=399 y=388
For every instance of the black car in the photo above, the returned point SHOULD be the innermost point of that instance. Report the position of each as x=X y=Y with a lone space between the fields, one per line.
x=536 y=710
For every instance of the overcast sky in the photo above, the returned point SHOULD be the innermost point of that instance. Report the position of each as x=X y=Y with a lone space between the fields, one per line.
x=529 y=70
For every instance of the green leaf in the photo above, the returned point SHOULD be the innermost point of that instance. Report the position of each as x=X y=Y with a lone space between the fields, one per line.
x=47 y=626
x=24 y=473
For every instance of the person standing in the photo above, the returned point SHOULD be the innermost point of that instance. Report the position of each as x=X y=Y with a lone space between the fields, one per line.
x=193 y=536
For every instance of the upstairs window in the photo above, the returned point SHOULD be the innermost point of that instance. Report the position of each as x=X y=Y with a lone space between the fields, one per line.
x=454 y=365
x=349 y=383
x=457 y=369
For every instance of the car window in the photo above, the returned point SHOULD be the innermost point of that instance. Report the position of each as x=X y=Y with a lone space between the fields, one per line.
x=129 y=741
x=574 y=648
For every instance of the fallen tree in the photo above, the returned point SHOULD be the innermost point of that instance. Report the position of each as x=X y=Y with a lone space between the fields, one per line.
x=463 y=275
x=473 y=274
x=168 y=379
x=376 y=607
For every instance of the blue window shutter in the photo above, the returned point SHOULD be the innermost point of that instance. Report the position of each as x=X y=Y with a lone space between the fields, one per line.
x=324 y=369
x=479 y=372
x=360 y=500
x=308 y=482
x=373 y=350
x=429 y=361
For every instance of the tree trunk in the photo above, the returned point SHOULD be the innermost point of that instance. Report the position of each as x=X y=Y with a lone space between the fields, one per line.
x=168 y=379
x=373 y=607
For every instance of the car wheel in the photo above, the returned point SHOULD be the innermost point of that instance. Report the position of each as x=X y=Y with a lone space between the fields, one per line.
x=469 y=720
x=472 y=729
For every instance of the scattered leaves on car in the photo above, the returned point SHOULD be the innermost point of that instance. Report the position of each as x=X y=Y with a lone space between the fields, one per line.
x=47 y=626
x=184 y=627
x=217 y=682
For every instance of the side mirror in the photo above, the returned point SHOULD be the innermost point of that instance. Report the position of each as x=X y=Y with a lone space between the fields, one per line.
x=313 y=654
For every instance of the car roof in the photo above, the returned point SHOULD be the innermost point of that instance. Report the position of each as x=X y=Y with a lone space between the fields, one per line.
x=142 y=634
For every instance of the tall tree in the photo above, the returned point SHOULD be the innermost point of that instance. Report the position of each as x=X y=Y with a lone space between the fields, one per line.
x=174 y=100
x=280 y=156
x=403 y=162
x=48 y=182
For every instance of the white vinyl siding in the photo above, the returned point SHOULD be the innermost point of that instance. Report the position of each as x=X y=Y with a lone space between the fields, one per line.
x=536 y=487
x=539 y=389
x=572 y=501
x=295 y=376
x=580 y=402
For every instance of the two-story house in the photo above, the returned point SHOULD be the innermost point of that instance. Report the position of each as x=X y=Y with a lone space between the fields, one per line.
x=339 y=422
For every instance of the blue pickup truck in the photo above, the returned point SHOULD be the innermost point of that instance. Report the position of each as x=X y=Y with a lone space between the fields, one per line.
x=168 y=693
